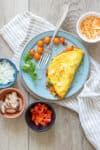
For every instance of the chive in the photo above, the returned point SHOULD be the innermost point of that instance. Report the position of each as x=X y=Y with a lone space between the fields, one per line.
x=81 y=63
x=49 y=83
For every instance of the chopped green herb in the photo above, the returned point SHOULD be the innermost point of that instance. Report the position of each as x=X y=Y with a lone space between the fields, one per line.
x=49 y=83
x=25 y=68
x=81 y=63
x=29 y=67
x=34 y=75
x=27 y=57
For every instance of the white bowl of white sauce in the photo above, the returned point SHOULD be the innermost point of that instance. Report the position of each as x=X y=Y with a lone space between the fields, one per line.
x=8 y=73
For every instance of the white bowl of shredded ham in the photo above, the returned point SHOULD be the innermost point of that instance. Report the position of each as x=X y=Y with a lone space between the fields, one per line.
x=88 y=27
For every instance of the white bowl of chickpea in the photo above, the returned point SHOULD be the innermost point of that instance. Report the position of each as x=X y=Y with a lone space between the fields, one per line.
x=88 y=27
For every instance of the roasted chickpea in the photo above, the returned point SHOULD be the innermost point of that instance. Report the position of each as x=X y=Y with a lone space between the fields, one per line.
x=56 y=41
x=40 y=50
x=51 y=88
x=70 y=48
x=37 y=56
x=62 y=40
x=40 y=43
x=65 y=44
x=31 y=52
x=47 y=40
x=46 y=72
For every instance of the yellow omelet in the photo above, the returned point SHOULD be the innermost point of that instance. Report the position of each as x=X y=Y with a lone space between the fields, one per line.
x=62 y=69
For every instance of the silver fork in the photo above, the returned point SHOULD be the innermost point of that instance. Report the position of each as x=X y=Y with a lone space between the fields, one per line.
x=48 y=51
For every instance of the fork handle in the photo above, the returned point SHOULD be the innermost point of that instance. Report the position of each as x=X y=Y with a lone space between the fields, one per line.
x=60 y=22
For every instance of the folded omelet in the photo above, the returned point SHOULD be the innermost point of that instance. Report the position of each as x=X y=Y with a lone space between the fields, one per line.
x=62 y=69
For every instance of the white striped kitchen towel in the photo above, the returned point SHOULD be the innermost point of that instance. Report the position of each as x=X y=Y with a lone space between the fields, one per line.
x=18 y=32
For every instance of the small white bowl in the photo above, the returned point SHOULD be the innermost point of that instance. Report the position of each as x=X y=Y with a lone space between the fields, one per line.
x=78 y=27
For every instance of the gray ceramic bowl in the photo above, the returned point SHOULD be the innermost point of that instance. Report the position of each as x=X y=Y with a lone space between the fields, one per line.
x=32 y=125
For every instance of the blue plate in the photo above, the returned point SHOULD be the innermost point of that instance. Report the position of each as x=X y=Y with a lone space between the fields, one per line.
x=39 y=87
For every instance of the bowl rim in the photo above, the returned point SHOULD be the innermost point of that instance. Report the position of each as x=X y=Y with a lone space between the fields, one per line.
x=9 y=84
x=83 y=16
x=15 y=115
x=47 y=127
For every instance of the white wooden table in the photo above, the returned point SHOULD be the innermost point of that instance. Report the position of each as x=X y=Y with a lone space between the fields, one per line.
x=67 y=133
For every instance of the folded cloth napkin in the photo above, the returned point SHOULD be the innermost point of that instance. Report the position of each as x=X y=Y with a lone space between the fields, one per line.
x=18 y=32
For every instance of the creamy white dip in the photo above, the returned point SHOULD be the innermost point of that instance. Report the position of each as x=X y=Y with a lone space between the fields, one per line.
x=6 y=72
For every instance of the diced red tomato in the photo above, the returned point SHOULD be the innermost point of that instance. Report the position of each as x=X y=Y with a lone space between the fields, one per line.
x=41 y=115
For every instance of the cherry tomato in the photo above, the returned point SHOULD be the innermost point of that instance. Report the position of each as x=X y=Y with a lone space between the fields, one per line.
x=40 y=50
x=41 y=115
x=56 y=41
x=46 y=72
x=62 y=40
x=31 y=52
x=37 y=56
x=64 y=43
x=52 y=89
x=40 y=43
x=70 y=48
x=47 y=40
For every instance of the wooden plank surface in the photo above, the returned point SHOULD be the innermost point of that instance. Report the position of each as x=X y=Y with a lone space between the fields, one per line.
x=13 y=133
x=67 y=133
